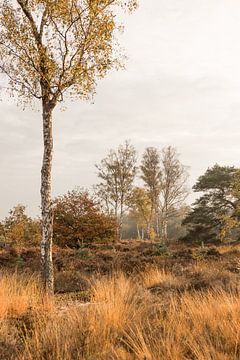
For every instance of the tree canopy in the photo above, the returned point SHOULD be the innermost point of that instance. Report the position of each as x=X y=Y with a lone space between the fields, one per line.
x=58 y=45
x=219 y=202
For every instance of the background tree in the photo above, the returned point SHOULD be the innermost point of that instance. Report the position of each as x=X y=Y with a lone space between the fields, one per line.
x=203 y=220
x=21 y=230
x=2 y=235
x=117 y=172
x=176 y=229
x=173 y=190
x=141 y=210
x=101 y=193
x=78 y=219
x=220 y=199
x=50 y=48
x=151 y=175
x=230 y=222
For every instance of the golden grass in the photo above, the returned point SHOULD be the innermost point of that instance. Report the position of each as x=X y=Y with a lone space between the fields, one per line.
x=116 y=298
x=125 y=321
x=154 y=276
x=228 y=248
x=18 y=294
x=200 y=326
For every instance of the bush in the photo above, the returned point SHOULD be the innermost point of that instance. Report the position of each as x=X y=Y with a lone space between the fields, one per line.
x=20 y=230
x=204 y=251
x=161 y=249
x=79 y=219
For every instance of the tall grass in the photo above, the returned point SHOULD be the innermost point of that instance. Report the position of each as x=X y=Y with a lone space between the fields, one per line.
x=18 y=294
x=154 y=276
x=126 y=321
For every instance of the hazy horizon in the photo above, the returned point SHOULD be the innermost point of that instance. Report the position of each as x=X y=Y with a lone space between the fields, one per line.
x=181 y=87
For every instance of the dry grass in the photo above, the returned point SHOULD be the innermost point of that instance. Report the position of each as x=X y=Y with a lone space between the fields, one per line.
x=201 y=327
x=21 y=301
x=124 y=321
x=116 y=297
x=19 y=294
x=223 y=249
x=154 y=276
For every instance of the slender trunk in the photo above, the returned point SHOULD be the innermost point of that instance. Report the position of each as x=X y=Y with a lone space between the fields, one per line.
x=117 y=220
x=117 y=233
x=149 y=224
x=120 y=228
x=121 y=220
x=165 y=224
x=148 y=231
x=46 y=202
x=157 y=224
x=165 y=229
x=138 y=233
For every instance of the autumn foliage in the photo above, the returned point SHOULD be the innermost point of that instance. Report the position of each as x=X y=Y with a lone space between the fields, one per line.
x=79 y=219
x=19 y=229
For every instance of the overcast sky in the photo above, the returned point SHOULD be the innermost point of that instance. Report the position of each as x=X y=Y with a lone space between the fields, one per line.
x=181 y=87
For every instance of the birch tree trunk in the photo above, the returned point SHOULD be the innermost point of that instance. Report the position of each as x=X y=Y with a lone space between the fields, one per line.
x=148 y=231
x=121 y=222
x=149 y=224
x=46 y=201
x=157 y=224
x=138 y=233
x=165 y=228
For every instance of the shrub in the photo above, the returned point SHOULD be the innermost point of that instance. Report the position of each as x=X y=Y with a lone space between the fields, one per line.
x=79 y=219
x=19 y=229
x=204 y=251
x=161 y=249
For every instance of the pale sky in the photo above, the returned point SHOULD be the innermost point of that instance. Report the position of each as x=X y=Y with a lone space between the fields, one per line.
x=181 y=87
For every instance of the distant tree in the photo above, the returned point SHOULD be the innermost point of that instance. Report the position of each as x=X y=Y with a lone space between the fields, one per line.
x=173 y=190
x=1 y=230
x=101 y=192
x=217 y=181
x=151 y=176
x=20 y=229
x=176 y=230
x=220 y=200
x=230 y=222
x=16 y=215
x=117 y=172
x=50 y=48
x=78 y=219
x=203 y=220
x=141 y=209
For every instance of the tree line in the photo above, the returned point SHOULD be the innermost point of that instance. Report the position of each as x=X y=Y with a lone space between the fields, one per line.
x=161 y=195
x=82 y=216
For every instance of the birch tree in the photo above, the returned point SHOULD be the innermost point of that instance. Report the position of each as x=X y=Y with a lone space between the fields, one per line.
x=117 y=172
x=50 y=49
x=173 y=186
x=141 y=209
x=151 y=175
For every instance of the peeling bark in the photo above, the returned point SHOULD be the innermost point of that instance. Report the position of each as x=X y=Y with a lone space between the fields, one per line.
x=46 y=202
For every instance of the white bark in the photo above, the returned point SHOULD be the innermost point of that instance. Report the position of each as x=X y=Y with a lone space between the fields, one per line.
x=46 y=202
x=138 y=233
x=165 y=230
